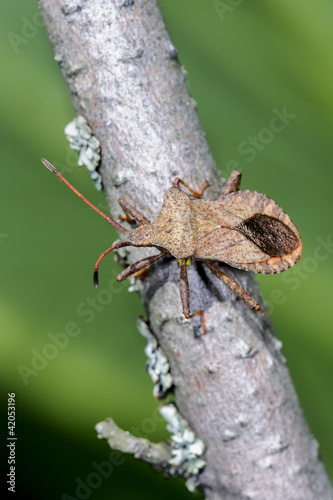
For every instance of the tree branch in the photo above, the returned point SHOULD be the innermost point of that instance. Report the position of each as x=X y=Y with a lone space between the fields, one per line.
x=153 y=453
x=231 y=385
x=180 y=457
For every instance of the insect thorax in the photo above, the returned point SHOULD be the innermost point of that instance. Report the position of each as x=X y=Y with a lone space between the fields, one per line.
x=175 y=227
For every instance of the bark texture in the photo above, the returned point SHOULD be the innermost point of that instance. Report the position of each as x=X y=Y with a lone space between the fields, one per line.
x=232 y=385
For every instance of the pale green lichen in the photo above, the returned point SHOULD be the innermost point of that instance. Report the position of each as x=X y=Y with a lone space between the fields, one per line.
x=81 y=139
x=58 y=58
x=157 y=364
x=187 y=450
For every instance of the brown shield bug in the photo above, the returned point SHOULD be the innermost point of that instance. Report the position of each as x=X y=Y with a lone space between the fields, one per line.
x=244 y=229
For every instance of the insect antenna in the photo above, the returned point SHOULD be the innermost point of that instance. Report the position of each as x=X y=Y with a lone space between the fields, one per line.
x=119 y=244
x=106 y=217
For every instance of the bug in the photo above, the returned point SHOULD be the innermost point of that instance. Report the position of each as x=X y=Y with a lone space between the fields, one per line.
x=244 y=229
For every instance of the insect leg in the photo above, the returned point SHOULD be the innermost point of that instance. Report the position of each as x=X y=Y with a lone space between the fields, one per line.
x=232 y=184
x=119 y=244
x=185 y=297
x=197 y=194
x=131 y=213
x=137 y=267
x=235 y=287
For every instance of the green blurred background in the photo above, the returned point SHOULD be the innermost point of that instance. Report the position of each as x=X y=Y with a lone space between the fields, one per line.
x=242 y=61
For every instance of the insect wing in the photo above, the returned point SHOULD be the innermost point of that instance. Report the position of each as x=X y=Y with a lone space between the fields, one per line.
x=249 y=231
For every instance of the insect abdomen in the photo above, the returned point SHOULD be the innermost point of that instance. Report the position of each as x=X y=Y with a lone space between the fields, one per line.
x=272 y=236
x=253 y=233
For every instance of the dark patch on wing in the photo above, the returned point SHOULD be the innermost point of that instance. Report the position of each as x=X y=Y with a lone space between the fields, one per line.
x=269 y=234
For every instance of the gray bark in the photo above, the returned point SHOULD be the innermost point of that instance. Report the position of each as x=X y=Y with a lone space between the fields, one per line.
x=232 y=385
